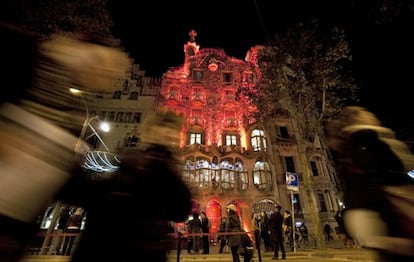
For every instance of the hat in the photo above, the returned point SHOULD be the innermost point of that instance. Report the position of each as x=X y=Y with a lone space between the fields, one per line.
x=278 y=207
x=232 y=207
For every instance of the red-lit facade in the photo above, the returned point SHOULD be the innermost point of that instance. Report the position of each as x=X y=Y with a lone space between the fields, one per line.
x=228 y=156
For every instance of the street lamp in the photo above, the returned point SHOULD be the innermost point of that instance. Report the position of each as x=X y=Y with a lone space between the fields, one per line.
x=97 y=161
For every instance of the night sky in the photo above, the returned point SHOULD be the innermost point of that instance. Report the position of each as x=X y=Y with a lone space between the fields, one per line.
x=154 y=35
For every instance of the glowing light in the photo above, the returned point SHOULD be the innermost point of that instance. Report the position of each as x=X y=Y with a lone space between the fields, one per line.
x=100 y=161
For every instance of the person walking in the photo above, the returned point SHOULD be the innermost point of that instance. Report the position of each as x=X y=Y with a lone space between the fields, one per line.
x=276 y=222
x=116 y=229
x=233 y=227
x=328 y=230
x=196 y=230
x=205 y=228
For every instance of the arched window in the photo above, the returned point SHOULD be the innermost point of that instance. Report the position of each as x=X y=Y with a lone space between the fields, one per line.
x=262 y=175
x=189 y=172
x=202 y=174
x=227 y=173
x=242 y=175
x=215 y=173
x=258 y=140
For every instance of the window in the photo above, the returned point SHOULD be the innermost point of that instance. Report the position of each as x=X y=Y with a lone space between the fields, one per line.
x=296 y=202
x=314 y=168
x=202 y=174
x=322 y=203
x=133 y=96
x=262 y=175
x=116 y=95
x=228 y=179
x=195 y=138
x=283 y=132
x=128 y=117
x=119 y=117
x=290 y=164
x=242 y=176
x=231 y=140
x=137 y=117
x=227 y=78
x=198 y=75
x=258 y=140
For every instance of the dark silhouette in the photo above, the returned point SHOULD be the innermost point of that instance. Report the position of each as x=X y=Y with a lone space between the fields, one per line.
x=378 y=192
x=123 y=222
x=289 y=229
x=205 y=228
x=247 y=247
x=222 y=238
x=196 y=229
x=72 y=227
x=276 y=222
x=327 y=229
x=233 y=226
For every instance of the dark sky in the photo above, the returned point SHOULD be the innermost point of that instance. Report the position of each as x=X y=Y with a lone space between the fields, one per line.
x=155 y=32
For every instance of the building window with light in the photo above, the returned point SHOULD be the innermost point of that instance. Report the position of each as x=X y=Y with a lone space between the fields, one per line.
x=230 y=139
x=262 y=176
x=241 y=175
x=202 y=174
x=228 y=177
x=258 y=140
x=195 y=138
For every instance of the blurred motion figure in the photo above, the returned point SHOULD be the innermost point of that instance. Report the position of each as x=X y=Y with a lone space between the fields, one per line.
x=38 y=136
x=379 y=194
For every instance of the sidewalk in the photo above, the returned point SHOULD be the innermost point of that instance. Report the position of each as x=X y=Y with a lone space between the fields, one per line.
x=334 y=250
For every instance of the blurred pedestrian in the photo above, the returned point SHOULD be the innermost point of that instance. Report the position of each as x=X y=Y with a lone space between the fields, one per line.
x=342 y=231
x=327 y=229
x=246 y=247
x=378 y=192
x=124 y=223
x=33 y=130
x=233 y=227
x=276 y=222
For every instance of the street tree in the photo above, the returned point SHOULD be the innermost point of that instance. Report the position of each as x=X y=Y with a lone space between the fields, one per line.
x=306 y=73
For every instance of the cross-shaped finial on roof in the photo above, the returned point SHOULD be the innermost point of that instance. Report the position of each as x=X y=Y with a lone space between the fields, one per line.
x=192 y=35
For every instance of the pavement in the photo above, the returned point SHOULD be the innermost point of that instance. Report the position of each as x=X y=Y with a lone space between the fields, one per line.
x=334 y=250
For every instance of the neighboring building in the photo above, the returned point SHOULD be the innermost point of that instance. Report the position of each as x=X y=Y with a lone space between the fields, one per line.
x=227 y=156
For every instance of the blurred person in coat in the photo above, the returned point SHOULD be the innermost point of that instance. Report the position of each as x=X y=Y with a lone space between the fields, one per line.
x=233 y=226
x=36 y=128
x=378 y=192
x=128 y=212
